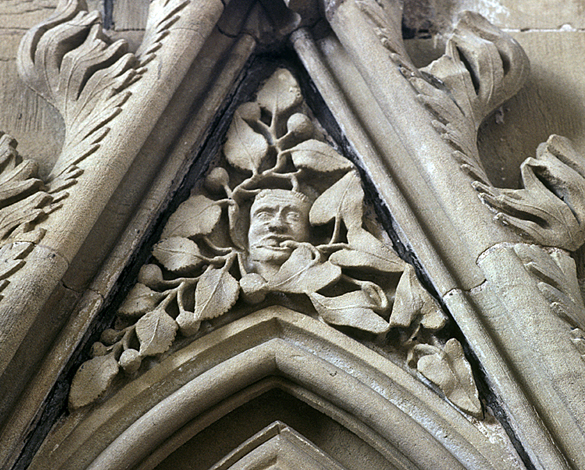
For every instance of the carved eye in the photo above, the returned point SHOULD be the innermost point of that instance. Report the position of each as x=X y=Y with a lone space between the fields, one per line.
x=263 y=215
x=293 y=216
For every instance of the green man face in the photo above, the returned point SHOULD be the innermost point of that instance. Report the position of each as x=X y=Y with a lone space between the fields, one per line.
x=277 y=216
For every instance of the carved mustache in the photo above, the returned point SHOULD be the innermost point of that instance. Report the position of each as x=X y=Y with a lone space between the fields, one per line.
x=273 y=241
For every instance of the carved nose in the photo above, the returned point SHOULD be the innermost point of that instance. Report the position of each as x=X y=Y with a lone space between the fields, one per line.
x=277 y=224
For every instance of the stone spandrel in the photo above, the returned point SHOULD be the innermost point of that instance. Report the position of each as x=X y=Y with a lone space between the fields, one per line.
x=281 y=221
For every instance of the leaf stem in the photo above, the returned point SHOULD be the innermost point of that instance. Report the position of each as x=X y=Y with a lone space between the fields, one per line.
x=336 y=230
x=330 y=247
x=180 y=292
x=127 y=335
x=217 y=249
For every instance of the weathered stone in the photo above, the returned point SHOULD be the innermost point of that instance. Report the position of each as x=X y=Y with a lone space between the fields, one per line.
x=272 y=291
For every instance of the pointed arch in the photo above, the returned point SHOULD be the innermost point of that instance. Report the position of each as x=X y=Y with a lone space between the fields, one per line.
x=274 y=347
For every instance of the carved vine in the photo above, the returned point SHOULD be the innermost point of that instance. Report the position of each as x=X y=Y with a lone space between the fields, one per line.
x=284 y=218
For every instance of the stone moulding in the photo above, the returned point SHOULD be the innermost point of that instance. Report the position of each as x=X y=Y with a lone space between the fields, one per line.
x=281 y=443
x=417 y=157
x=281 y=343
x=415 y=137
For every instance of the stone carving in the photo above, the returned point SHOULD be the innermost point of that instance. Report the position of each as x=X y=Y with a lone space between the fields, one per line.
x=556 y=275
x=284 y=219
x=482 y=67
x=557 y=280
x=549 y=209
x=24 y=202
x=389 y=31
x=75 y=66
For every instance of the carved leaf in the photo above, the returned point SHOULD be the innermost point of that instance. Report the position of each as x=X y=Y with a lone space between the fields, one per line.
x=559 y=285
x=70 y=62
x=412 y=301
x=139 y=300
x=383 y=17
x=12 y=257
x=198 y=215
x=578 y=340
x=280 y=93
x=551 y=207
x=367 y=253
x=178 y=254
x=303 y=273
x=245 y=148
x=451 y=372
x=162 y=14
x=216 y=292
x=354 y=309
x=344 y=199
x=318 y=156
x=156 y=332
x=92 y=379
x=23 y=199
x=482 y=67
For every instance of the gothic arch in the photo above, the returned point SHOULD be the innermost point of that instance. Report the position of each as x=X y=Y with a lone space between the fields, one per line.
x=276 y=347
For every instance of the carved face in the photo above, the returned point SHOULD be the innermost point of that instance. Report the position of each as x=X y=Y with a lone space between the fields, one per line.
x=277 y=216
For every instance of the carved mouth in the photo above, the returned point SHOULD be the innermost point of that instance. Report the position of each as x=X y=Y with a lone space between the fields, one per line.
x=274 y=242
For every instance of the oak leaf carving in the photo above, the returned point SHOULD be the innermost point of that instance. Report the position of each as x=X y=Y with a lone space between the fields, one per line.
x=198 y=215
x=156 y=332
x=178 y=254
x=92 y=379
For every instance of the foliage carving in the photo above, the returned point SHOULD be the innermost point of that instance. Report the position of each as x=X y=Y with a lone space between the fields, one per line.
x=449 y=370
x=70 y=61
x=283 y=218
x=482 y=67
x=549 y=209
x=25 y=201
